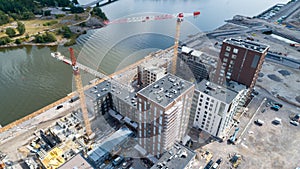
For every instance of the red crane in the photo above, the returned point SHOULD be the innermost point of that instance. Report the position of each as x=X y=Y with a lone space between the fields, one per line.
x=81 y=94
x=179 y=16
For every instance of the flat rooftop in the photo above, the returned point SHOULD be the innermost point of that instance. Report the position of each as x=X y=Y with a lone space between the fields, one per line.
x=216 y=91
x=106 y=87
x=166 y=90
x=235 y=86
x=154 y=65
x=76 y=162
x=251 y=45
x=177 y=157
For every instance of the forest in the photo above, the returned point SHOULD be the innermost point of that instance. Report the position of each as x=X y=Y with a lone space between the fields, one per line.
x=26 y=9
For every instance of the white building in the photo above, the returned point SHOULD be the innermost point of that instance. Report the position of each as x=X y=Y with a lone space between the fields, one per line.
x=214 y=107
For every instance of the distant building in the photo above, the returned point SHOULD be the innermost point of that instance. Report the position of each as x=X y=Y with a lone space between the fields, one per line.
x=214 y=107
x=240 y=61
x=150 y=71
x=177 y=156
x=194 y=64
x=164 y=108
x=77 y=162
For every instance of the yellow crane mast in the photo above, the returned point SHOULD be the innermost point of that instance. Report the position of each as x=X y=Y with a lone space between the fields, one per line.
x=81 y=94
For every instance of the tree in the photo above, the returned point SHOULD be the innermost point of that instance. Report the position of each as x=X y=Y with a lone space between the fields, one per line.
x=75 y=9
x=21 y=28
x=27 y=15
x=77 y=17
x=10 y=32
x=66 y=32
x=18 y=41
x=4 y=40
x=75 y=2
x=98 y=12
x=3 y=18
x=47 y=13
x=47 y=37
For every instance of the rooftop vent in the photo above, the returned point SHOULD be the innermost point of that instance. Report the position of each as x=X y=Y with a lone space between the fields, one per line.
x=159 y=98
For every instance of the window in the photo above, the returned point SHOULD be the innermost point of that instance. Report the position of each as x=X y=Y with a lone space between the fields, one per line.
x=235 y=50
x=207 y=99
x=255 y=61
x=226 y=54
x=233 y=56
x=228 y=48
x=201 y=95
x=225 y=59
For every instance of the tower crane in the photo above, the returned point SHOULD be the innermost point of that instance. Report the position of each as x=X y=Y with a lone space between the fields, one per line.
x=81 y=94
x=73 y=63
x=179 y=16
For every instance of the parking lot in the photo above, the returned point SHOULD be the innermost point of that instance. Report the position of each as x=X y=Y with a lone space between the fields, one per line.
x=266 y=146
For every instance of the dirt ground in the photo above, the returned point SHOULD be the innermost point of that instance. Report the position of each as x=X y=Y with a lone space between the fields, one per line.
x=267 y=146
x=280 y=80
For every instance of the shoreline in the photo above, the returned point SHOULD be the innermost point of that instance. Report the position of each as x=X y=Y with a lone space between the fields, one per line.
x=62 y=43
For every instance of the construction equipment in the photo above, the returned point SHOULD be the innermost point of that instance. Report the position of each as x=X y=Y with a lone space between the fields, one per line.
x=81 y=94
x=236 y=160
x=233 y=137
x=179 y=16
